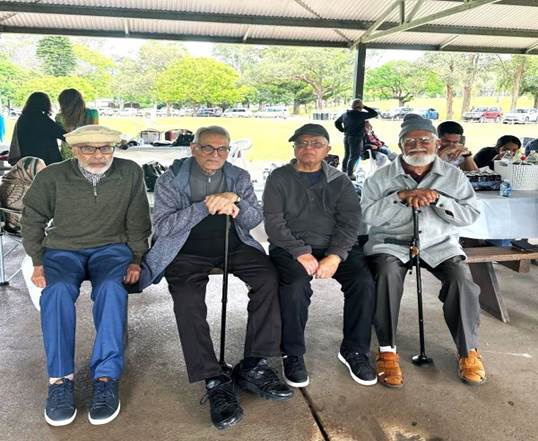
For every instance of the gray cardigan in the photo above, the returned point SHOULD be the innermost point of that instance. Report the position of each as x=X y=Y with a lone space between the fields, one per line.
x=388 y=217
x=174 y=215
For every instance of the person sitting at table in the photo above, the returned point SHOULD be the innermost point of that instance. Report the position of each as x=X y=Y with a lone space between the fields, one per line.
x=531 y=146
x=15 y=183
x=420 y=179
x=312 y=216
x=452 y=149
x=192 y=199
x=99 y=231
x=507 y=144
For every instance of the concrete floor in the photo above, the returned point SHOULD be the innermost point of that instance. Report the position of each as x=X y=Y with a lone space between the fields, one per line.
x=158 y=403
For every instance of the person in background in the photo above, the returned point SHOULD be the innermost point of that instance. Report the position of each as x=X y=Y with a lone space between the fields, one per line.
x=73 y=114
x=451 y=147
x=36 y=132
x=531 y=146
x=373 y=143
x=15 y=184
x=2 y=128
x=351 y=123
x=505 y=144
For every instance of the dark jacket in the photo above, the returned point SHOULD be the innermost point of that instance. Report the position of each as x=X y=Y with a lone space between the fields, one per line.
x=352 y=122
x=484 y=157
x=299 y=218
x=37 y=134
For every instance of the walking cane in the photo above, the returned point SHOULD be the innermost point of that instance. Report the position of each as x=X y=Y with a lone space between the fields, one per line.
x=414 y=253
x=227 y=368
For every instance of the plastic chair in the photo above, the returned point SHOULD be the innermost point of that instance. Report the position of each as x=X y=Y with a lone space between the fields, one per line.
x=237 y=149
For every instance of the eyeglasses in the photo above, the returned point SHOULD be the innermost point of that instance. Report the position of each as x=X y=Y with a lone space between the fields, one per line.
x=445 y=143
x=209 y=149
x=313 y=144
x=90 y=150
x=424 y=141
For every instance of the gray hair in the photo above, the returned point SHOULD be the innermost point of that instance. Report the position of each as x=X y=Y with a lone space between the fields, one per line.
x=213 y=130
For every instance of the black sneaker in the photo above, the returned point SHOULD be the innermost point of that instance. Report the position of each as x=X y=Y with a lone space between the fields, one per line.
x=261 y=380
x=60 y=409
x=223 y=403
x=105 y=405
x=359 y=367
x=295 y=373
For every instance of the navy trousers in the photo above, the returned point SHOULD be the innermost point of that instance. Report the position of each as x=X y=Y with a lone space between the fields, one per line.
x=64 y=271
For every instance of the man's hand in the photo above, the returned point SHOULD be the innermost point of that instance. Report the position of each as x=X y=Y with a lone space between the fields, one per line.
x=309 y=262
x=132 y=275
x=231 y=210
x=216 y=202
x=452 y=153
x=328 y=266
x=420 y=197
x=38 y=277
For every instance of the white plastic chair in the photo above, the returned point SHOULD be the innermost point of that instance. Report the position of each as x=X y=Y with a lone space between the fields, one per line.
x=237 y=149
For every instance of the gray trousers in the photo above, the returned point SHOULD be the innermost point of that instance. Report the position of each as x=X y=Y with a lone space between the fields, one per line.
x=459 y=295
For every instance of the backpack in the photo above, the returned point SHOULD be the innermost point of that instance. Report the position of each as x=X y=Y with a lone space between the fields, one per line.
x=333 y=160
x=152 y=170
x=184 y=138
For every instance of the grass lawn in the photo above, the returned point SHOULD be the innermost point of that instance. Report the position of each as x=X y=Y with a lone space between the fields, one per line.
x=269 y=136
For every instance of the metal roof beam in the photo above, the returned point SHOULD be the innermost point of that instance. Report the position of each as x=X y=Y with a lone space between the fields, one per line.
x=469 y=4
x=381 y=19
x=503 y=2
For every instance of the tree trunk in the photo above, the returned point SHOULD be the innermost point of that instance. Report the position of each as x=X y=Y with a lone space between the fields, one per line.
x=296 y=107
x=535 y=105
x=516 y=85
x=449 y=101
x=468 y=81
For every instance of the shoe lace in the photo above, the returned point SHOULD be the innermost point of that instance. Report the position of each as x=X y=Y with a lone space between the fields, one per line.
x=59 y=395
x=103 y=394
x=220 y=395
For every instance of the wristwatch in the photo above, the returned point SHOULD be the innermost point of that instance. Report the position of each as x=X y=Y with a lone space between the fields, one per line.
x=237 y=200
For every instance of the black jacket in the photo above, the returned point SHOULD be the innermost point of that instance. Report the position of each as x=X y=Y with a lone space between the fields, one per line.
x=352 y=122
x=37 y=135
x=485 y=157
x=299 y=218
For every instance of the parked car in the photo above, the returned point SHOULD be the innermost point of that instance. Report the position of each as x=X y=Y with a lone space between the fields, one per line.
x=272 y=112
x=209 y=111
x=521 y=116
x=396 y=113
x=483 y=114
x=128 y=111
x=429 y=113
x=237 y=113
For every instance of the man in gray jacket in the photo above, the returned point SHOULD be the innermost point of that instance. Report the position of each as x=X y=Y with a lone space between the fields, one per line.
x=192 y=200
x=312 y=216
x=419 y=178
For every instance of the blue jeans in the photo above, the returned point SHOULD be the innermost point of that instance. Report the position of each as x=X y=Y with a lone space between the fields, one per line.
x=65 y=270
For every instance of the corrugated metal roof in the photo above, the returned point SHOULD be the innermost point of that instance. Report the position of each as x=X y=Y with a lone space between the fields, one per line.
x=336 y=23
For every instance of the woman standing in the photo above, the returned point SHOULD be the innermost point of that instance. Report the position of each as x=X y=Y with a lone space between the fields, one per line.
x=74 y=114
x=36 y=132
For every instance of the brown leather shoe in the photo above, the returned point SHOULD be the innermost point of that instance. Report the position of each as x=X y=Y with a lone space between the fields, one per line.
x=471 y=368
x=388 y=369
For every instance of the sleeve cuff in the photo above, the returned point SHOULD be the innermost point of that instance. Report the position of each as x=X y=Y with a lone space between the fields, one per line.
x=137 y=260
x=296 y=252
x=338 y=252
x=37 y=260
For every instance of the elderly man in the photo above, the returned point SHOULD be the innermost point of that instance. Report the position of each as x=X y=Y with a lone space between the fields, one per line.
x=451 y=147
x=86 y=218
x=418 y=178
x=312 y=217
x=351 y=123
x=192 y=200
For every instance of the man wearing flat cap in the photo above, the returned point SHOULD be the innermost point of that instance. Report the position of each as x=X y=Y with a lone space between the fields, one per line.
x=312 y=215
x=86 y=218
x=419 y=179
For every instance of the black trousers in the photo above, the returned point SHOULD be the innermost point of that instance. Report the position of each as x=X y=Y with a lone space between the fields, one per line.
x=459 y=295
x=187 y=278
x=352 y=152
x=359 y=300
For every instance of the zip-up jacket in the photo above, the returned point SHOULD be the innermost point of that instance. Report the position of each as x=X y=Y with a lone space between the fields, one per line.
x=352 y=121
x=82 y=215
x=299 y=218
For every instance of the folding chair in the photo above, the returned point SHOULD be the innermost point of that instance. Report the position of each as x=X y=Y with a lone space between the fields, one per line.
x=12 y=234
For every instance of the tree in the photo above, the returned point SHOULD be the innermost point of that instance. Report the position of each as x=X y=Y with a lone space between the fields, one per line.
x=56 y=55
x=199 y=81
x=11 y=78
x=402 y=80
x=530 y=81
x=52 y=86
x=96 y=68
x=511 y=73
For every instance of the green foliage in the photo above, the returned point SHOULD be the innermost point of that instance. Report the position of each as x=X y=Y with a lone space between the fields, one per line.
x=56 y=55
x=96 y=68
x=200 y=81
x=11 y=78
x=52 y=86
x=530 y=81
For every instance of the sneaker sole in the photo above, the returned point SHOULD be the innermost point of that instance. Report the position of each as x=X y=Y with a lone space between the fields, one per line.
x=294 y=384
x=101 y=421
x=355 y=378
x=60 y=423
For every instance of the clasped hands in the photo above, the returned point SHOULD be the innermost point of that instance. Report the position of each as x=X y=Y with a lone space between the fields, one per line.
x=453 y=152
x=420 y=197
x=222 y=203
x=322 y=269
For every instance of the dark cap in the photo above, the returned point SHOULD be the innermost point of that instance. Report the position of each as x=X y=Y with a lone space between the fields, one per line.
x=310 y=129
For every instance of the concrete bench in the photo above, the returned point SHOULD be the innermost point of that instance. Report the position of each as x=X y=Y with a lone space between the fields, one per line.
x=480 y=260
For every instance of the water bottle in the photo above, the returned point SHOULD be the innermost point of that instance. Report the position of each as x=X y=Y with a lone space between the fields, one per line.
x=506 y=189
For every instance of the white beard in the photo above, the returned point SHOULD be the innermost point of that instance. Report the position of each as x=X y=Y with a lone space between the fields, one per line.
x=97 y=170
x=419 y=160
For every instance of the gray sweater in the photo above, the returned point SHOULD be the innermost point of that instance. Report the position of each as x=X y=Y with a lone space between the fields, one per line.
x=299 y=218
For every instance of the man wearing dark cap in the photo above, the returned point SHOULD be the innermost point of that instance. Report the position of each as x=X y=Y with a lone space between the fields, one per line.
x=351 y=123
x=418 y=178
x=451 y=148
x=312 y=217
